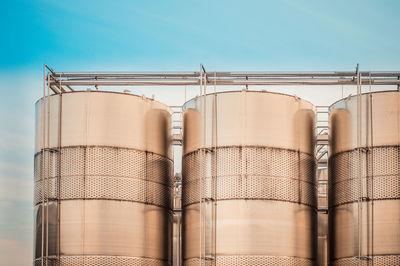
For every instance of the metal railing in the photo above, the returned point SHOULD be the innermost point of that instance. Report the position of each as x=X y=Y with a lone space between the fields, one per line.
x=68 y=81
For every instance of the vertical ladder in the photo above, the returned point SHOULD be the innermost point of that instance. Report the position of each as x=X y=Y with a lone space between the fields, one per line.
x=322 y=131
x=177 y=122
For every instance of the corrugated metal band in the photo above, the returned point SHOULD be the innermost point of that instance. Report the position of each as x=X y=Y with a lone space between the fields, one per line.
x=380 y=175
x=250 y=260
x=101 y=261
x=105 y=173
x=249 y=173
x=389 y=260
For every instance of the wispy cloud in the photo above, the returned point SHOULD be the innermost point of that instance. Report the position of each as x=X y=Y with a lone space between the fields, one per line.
x=15 y=141
x=6 y=203
x=8 y=243
x=14 y=253
x=16 y=169
x=15 y=189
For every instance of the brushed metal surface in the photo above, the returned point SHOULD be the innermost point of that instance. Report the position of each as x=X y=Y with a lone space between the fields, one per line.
x=385 y=121
x=281 y=229
x=376 y=260
x=364 y=188
x=248 y=187
x=107 y=119
x=344 y=229
x=106 y=181
x=251 y=118
x=107 y=227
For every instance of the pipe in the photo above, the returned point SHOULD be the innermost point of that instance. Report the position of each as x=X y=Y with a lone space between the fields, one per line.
x=218 y=82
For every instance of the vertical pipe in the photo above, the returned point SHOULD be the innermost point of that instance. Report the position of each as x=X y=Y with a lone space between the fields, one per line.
x=214 y=176
x=372 y=171
x=42 y=162
x=205 y=234
x=201 y=179
x=358 y=169
x=48 y=172
x=360 y=202
x=59 y=177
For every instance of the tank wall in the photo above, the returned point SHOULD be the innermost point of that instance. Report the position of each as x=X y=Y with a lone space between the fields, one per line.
x=106 y=119
x=381 y=109
x=249 y=191
x=249 y=119
x=105 y=184
x=363 y=191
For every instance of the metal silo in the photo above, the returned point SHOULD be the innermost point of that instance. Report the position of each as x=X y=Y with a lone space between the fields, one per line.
x=249 y=190
x=103 y=180
x=364 y=177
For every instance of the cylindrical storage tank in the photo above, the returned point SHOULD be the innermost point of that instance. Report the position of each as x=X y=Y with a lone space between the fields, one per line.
x=249 y=191
x=364 y=180
x=104 y=164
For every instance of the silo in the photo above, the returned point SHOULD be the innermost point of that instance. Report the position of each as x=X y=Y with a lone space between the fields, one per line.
x=249 y=190
x=103 y=180
x=364 y=177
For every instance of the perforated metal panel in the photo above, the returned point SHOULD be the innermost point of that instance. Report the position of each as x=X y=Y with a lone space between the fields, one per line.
x=249 y=173
x=104 y=161
x=101 y=261
x=100 y=173
x=374 y=161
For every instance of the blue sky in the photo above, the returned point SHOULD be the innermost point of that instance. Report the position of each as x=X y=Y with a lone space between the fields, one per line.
x=168 y=36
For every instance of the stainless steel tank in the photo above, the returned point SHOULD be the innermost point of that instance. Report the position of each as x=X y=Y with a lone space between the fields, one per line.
x=103 y=180
x=364 y=189
x=249 y=190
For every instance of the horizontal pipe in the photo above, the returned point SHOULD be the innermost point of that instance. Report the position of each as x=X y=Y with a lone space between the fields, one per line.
x=222 y=82
x=137 y=74
x=123 y=82
x=224 y=74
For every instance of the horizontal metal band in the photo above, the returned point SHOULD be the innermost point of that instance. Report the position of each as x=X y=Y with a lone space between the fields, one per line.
x=375 y=161
x=250 y=187
x=249 y=260
x=103 y=161
x=248 y=160
x=100 y=261
x=388 y=260
x=104 y=187
x=371 y=188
